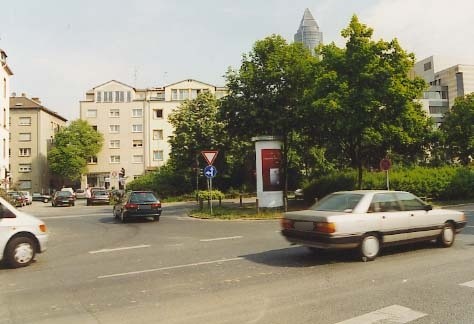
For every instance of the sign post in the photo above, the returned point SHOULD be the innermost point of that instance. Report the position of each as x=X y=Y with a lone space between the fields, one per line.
x=385 y=165
x=210 y=172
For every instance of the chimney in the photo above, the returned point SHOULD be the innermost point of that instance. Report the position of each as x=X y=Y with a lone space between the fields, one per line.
x=36 y=99
x=13 y=94
x=23 y=94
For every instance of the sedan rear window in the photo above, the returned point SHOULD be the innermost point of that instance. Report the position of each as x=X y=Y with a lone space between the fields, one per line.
x=338 y=202
x=142 y=197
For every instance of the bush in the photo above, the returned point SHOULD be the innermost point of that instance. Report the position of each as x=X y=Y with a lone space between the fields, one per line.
x=443 y=183
x=214 y=194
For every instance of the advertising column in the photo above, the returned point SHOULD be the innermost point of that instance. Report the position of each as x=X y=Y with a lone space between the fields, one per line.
x=268 y=171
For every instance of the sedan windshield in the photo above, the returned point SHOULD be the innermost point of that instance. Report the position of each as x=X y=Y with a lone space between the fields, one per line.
x=142 y=197
x=338 y=202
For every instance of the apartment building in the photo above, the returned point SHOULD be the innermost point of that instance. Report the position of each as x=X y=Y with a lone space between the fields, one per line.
x=32 y=131
x=135 y=126
x=5 y=74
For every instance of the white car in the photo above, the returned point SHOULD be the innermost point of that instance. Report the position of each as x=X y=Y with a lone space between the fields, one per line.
x=21 y=236
x=369 y=220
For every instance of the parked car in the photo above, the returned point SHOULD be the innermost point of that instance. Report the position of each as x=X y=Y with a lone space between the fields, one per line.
x=138 y=204
x=98 y=196
x=16 y=199
x=70 y=190
x=28 y=197
x=40 y=197
x=21 y=236
x=80 y=194
x=370 y=219
x=62 y=198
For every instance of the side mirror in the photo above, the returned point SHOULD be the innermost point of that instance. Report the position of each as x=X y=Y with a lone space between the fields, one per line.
x=428 y=207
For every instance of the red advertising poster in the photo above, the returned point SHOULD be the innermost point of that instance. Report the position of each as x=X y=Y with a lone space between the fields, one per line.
x=271 y=169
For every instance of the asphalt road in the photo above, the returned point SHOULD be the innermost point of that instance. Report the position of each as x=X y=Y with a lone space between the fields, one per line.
x=183 y=270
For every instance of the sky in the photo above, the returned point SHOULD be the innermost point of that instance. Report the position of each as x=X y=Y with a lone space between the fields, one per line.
x=60 y=49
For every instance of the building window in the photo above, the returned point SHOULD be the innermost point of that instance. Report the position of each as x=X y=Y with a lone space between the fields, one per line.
x=25 y=184
x=174 y=94
x=94 y=127
x=108 y=96
x=427 y=66
x=157 y=155
x=114 y=113
x=115 y=159
x=92 y=160
x=24 y=168
x=137 y=143
x=137 y=112
x=137 y=159
x=158 y=113
x=24 y=137
x=183 y=94
x=4 y=148
x=91 y=113
x=114 y=128
x=114 y=144
x=157 y=134
x=137 y=128
x=25 y=151
x=4 y=87
x=98 y=96
x=129 y=96
x=25 y=121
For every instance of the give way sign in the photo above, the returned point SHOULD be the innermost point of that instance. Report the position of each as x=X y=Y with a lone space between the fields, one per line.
x=210 y=156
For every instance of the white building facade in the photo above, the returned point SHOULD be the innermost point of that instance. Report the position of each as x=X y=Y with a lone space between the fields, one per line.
x=5 y=74
x=135 y=126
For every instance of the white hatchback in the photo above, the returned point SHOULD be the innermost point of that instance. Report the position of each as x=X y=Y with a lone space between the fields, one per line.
x=370 y=219
x=21 y=236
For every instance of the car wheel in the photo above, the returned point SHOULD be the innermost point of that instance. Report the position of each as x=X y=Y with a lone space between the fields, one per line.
x=88 y=203
x=156 y=218
x=369 y=247
x=447 y=236
x=45 y=200
x=20 y=252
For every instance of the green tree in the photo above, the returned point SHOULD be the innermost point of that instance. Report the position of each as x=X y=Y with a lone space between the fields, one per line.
x=458 y=129
x=265 y=93
x=363 y=106
x=197 y=128
x=73 y=146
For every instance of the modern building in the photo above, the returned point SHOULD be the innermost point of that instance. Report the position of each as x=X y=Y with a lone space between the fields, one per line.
x=308 y=32
x=135 y=126
x=447 y=82
x=5 y=74
x=32 y=131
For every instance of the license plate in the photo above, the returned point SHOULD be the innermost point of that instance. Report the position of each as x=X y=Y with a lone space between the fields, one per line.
x=144 y=207
x=304 y=226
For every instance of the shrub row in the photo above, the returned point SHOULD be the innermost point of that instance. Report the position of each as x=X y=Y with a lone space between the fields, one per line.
x=443 y=183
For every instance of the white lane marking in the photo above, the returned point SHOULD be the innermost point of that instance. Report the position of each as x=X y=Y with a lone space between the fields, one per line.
x=468 y=284
x=221 y=238
x=169 y=268
x=391 y=314
x=75 y=216
x=469 y=226
x=121 y=248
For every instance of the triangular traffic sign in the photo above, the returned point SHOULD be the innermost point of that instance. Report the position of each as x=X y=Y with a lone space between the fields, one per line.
x=210 y=156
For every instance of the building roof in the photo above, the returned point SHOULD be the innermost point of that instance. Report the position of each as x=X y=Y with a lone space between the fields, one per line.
x=189 y=80
x=100 y=85
x=17 y=103
x=308 y=20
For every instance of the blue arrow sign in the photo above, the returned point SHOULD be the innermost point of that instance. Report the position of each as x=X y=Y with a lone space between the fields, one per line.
x=210 y=171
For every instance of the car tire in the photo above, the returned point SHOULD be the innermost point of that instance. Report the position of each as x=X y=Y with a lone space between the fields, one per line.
x=45 y=200
x=447 y=236
x=156 y=218
x=369 y=247
x=20 y=252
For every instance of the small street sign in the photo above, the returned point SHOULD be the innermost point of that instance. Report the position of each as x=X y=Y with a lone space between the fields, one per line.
x=385 y=164
x=210 y=171
x=210 y=156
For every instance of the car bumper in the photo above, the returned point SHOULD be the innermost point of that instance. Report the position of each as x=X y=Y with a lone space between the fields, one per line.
x=99 y=201
x=142 y=213
x=42 y=242
x=323 y=241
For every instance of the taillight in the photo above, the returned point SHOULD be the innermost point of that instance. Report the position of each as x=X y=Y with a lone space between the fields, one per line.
x=324 y=227
x=42 y=228
x=286 y=223
x=131 y=206
x=156 y=205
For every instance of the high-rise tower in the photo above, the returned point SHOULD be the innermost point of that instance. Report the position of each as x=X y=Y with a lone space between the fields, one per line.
x=308 y=33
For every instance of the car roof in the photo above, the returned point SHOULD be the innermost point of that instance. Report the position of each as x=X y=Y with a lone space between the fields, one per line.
x=368 y=191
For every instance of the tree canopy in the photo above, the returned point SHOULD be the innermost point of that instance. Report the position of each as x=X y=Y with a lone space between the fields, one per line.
x=73 y=147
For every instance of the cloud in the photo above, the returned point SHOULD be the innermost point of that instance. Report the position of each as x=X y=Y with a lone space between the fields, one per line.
x=425 y=27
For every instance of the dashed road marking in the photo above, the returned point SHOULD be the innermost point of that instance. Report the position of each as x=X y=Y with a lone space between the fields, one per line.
x=168 y=268
x=74 y=216
x=120 y=249
x=468 y=284
x=221 y=238
x=391 y=314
